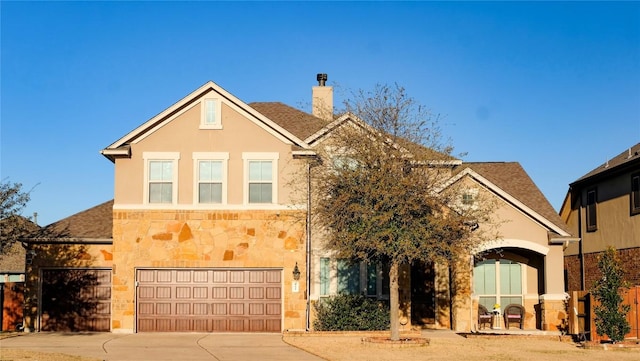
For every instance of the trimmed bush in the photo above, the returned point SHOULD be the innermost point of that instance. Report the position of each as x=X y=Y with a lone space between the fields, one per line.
x=351 y=313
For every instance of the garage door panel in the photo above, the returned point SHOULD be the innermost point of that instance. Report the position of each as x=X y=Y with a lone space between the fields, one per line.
x=237 y=276
x=273 y=276
x=183 y=292
x=163 y=292
x=219 y=292
x=256 y=276
x=236 y=293
x=244 y=300
x=219 y=309
x=163 y=308
x=201 y=292
x=164 y=276
x=273 y=309
x=256 y=293
x=146 y=276
x=236 y=308
x=183 y=276
x=274 y=293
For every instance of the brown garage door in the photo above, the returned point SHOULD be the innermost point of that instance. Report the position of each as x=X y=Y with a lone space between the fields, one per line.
x=76 y=300
x=209 y=300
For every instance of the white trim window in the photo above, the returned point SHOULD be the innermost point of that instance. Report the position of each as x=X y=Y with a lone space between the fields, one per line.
x=210 y=175
x=161 y=177
x=499 y=281
x=210 y=113
x=340 y=276
x=261 y=178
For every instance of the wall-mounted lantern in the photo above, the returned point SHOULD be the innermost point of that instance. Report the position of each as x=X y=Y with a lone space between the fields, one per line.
x=296 y=272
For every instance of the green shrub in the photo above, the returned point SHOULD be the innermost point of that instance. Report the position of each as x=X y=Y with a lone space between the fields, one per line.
x=351 y=313
x=611 y=313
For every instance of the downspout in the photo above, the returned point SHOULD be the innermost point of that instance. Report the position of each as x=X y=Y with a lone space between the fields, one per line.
x=581 y=250
x=308 y=248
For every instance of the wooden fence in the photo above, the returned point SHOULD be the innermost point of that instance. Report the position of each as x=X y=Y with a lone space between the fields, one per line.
x=582 y=317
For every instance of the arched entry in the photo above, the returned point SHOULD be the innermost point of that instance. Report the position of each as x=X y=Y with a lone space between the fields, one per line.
x=510 y=275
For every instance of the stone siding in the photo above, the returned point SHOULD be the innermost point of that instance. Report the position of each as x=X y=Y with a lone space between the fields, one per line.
x=207 y=239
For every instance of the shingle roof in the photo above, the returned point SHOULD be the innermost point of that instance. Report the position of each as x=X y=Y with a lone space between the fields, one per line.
x=299 y=123
x=93 y=223
x=13 y=261
x=512 y=179
x=630 y=155
x=304 y=125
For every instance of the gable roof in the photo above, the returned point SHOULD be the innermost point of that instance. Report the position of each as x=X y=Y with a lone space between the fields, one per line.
x=512 y=183
x=93 y=225
x=628 y=158
x=121 y=148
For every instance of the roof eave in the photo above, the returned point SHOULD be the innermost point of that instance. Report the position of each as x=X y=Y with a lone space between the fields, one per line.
x=620 y=168
x=67 y=240
x=120 y=152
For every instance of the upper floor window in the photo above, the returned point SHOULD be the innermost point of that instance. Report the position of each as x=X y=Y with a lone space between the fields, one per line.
x=592 y=221
x=210 y=177
x=161 y=177
x=261 y=177
x=635 y=193
x=211 y=114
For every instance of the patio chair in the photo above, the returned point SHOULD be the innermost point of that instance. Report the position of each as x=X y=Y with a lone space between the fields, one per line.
x=484 y=317
x=514 y=313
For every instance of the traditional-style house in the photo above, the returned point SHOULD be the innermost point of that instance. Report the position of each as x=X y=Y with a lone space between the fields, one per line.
x=210 y=232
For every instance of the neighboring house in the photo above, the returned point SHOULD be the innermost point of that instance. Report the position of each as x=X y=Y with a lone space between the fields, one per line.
x=11 y=287
x=209 y=231
x=602 y=208
x=12 y=272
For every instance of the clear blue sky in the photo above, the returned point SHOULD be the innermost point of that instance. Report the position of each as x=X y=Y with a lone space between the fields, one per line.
x=554 y=86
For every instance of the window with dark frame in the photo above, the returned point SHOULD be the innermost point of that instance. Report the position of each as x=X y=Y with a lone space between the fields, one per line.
x=592 y=222
x=635 y=194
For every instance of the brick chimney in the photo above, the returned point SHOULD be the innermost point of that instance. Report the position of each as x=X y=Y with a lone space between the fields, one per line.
x=322 y=99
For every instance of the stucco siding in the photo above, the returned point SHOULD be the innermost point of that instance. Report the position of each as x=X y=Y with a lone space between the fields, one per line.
x=182 y=135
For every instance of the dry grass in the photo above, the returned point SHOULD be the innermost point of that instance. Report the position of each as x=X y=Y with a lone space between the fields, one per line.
x=9 y=354
x=349 y=348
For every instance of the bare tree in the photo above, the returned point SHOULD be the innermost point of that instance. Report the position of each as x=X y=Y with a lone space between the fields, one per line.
x=13 y=226
x=381 y=192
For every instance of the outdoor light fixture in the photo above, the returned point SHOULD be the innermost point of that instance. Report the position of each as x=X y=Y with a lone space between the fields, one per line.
x=296 y=272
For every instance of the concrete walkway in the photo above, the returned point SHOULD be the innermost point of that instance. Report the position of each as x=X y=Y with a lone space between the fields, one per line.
x=162 y=346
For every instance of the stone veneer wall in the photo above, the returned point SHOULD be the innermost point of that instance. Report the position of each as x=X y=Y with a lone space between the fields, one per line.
x=553 y=314
x=630 y=258
x=207 y=239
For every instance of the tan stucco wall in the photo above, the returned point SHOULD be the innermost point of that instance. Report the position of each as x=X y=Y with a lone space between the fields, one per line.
x=207 y=239
x=183 y=135
x=616 y=227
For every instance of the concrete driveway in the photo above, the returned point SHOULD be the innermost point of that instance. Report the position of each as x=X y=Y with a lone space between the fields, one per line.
x=161 y=346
